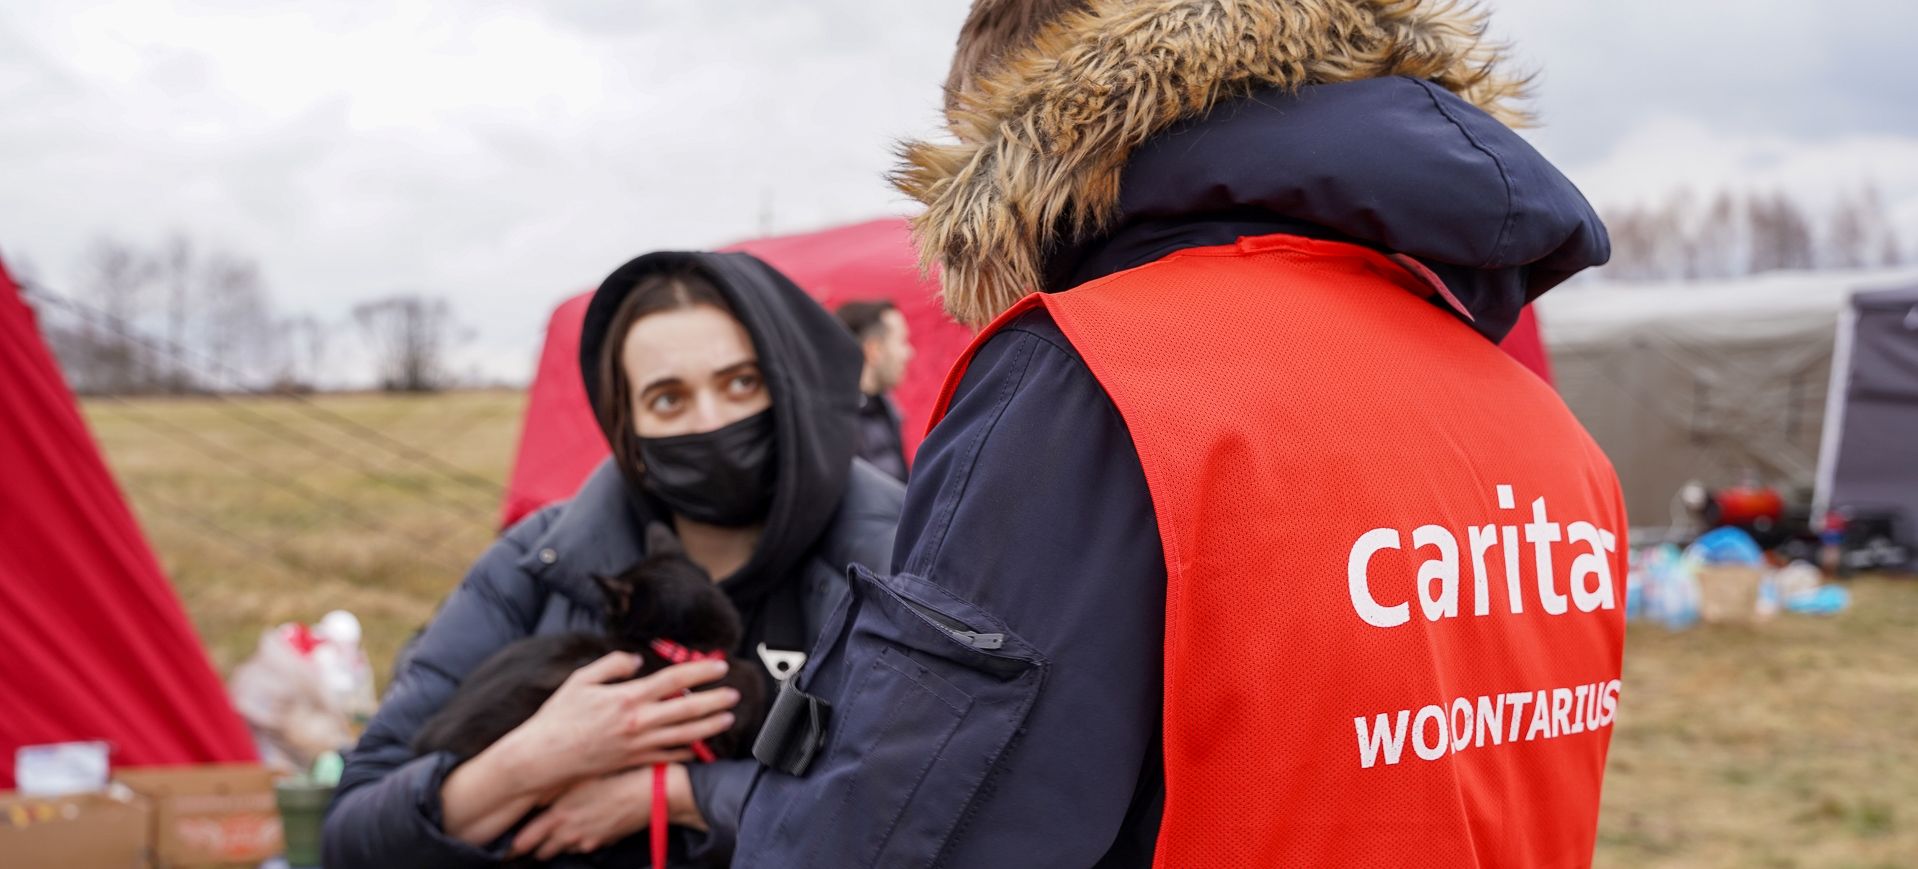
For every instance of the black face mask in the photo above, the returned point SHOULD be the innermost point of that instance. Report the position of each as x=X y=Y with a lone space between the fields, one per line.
x=720 y=477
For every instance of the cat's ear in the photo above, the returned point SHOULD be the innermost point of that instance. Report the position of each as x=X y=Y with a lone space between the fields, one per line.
x=660 y=540
x=619 y=596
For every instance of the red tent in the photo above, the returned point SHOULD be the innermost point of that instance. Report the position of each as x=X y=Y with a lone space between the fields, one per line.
x=560 y=442
x=93 y=642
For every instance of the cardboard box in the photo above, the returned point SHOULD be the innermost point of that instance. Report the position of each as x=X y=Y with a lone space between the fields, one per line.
x=82 y=831
x=213 y=815
x=1729 y=593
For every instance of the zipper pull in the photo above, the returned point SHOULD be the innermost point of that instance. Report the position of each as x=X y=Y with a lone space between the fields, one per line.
x=978 y=640
x=956 y=628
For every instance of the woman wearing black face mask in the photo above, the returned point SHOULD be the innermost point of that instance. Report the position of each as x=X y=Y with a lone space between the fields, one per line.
x=729 y=398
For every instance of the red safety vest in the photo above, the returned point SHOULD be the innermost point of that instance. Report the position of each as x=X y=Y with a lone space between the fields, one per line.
x=1395 y=563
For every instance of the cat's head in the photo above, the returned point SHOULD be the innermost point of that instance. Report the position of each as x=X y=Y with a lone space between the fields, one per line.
x=667 y=595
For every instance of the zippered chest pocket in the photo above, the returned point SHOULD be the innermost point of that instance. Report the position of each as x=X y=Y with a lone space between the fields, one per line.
x=927 y=694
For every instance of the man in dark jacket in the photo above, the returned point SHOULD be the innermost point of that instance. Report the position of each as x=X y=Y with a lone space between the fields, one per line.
x=1009 y=672
x=828 y=510
x=884 y=337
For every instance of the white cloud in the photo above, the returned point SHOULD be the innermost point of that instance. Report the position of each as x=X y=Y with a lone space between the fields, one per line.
x=1665 y=155
x=1810 y=71
x=506 y=154
x=501 y=155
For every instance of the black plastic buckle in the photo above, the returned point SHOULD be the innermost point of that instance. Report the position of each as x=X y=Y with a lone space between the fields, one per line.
x=794 y=732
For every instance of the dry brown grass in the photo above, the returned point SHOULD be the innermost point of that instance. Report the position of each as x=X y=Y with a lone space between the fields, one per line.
x=1790 y=744
x=1793 y=743
x=257 y=527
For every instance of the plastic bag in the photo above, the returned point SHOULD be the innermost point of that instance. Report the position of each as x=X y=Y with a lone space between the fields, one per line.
x=1725 y=546
x=284 y=696
x=1670 y=587
x=1822 y=601
x=343 y=665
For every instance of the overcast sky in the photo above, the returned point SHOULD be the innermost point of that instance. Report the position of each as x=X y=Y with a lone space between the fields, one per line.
x=506 y=155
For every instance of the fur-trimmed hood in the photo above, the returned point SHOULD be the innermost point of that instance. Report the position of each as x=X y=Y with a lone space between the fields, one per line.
x=1045 y=136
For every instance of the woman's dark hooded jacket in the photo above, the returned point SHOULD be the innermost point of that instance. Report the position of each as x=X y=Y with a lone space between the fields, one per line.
x=829 y=510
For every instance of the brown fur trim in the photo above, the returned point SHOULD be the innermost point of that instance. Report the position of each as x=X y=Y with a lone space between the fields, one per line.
x=1042 y=138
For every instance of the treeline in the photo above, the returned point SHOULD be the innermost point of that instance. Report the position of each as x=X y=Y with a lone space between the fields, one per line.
x=181 y=317
x=1688 y=236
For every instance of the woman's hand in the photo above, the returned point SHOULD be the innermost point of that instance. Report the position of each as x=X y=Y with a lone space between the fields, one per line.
x=598 y=812
x=590 y=815
x=595 y=724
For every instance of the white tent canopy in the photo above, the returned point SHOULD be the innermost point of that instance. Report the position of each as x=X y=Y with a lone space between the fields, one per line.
x=1704 y=380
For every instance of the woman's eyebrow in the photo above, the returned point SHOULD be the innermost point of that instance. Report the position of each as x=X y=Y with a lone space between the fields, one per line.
x=668 y=380
x=740 y=367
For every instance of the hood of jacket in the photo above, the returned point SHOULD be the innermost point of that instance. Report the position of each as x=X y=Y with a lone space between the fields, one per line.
x=1386 y=123
x=811 y=366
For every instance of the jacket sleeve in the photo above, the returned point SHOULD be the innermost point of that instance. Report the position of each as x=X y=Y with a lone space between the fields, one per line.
x=719 y=789
x=387 y=809
x=1028 y=535
x=862 y=533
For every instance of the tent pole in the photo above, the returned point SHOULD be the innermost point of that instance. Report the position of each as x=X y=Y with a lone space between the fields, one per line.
x=1834 y=428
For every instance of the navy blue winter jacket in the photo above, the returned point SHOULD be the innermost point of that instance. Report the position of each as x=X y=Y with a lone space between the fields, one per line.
x=996 y=699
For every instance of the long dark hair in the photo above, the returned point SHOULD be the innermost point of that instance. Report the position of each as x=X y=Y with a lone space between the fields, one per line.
x=655 y=293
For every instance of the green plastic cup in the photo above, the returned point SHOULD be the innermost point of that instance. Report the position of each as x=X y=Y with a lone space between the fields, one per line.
x=302 y=809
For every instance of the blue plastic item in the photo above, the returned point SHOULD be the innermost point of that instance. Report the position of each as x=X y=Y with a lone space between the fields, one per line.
x=1725 y=546
x=1826 y=600
x=1670 y=587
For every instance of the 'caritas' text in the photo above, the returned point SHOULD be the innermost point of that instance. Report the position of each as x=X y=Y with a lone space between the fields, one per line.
x=1386 y=601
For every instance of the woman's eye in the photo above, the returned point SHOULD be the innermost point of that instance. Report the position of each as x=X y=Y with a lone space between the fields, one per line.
x=745 y=383
x=663 y=403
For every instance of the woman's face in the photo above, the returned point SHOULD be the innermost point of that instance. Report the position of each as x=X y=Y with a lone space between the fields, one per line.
x=692 y=370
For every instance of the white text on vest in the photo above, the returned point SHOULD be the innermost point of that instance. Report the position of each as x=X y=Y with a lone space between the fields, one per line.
x=1589 y=587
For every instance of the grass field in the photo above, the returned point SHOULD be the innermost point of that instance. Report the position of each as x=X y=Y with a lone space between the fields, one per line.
x=266 y=511
x=1794 y=743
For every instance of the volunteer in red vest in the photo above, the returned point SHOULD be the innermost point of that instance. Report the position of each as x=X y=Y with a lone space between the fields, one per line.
x=1237 y=540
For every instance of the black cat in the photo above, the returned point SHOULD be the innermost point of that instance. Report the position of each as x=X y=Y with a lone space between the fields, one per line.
x=664 y=596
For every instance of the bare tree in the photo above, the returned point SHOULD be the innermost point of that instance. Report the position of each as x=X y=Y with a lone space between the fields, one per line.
x=1879 y=226
x=1746 y=234
x=175 y=264
x=1720 y=239
x=1661 y=240
x=237 y=320
x=409 y=336
x=1780 y=233
x=1796 y=248
x=1763 y=223
x=117 y=277
x=1634 y=244
x=1675 y=222
x=176 y=317
x=303 y=340
x=1847 y=238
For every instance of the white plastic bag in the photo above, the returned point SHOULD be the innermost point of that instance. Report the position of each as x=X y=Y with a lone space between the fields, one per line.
x=348 y=675
x=283 y=694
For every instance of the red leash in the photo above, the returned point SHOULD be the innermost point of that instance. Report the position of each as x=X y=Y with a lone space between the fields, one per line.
x=659 y=816
x=676 y=654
